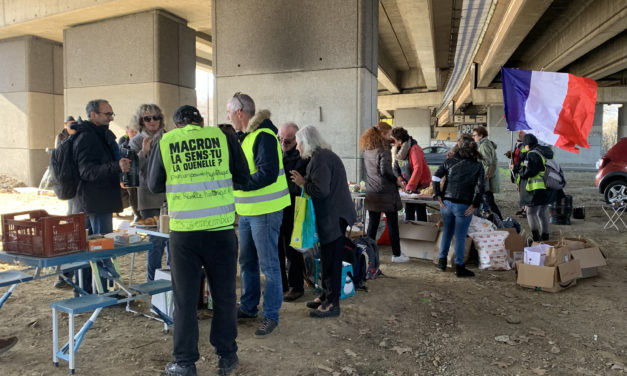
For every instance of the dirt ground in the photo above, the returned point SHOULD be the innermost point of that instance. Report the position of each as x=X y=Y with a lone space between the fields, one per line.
x=415 y=321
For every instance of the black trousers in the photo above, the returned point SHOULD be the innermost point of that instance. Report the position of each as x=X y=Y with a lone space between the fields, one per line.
x=331 y=255
x=416 y=212
x=217 y=252
x=488 y=198
x=292 y=275
x=392 y=219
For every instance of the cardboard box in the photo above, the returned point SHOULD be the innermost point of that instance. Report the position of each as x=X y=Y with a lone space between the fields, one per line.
x=421 y=249
x=434 y=217
x=514 y=242
x=590 y=259
x=418 y=239
x=127 y=238
x=100 y=244
x=451 y=251
x=548 y=278
x=536 y=255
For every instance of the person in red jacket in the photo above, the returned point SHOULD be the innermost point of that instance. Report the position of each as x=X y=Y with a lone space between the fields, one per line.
x=411 y=170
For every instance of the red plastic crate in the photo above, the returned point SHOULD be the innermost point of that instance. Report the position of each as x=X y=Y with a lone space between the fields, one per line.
x=36 y=233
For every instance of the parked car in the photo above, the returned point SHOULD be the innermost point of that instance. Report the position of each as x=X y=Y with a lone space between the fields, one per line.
x=435 y=155
x=612 y=176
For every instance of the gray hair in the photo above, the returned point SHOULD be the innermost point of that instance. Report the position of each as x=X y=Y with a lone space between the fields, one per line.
x=310 y=140
x=242 y=102
x=292 y=125
x=139 y=114
x=94 y=106
x=132 y=126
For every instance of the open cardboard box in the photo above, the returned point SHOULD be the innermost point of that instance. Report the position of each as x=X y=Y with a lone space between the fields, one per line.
x=590 y=259
x=418 y=239
x=514 y=243
x=451 y=251
x=548 y=278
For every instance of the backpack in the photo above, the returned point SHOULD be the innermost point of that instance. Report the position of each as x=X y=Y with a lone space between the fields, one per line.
x=356 y=256
x=554 y=177
x=369 y=246
x=64 y=170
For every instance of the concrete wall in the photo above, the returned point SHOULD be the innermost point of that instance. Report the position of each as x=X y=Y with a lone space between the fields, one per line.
x=586 y=158
x=622 y=121
x=31 y=105
x=157 y=65
x=417 y=122
x=313 y=63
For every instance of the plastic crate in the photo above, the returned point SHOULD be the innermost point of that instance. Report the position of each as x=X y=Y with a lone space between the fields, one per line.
x=36 y=233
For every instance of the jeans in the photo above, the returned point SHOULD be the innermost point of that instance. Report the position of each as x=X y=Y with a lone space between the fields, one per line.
x=392 y=221
x=217 y=252
x=259 y=236
x=96 y=224
x=159 y=244
x=455 y=223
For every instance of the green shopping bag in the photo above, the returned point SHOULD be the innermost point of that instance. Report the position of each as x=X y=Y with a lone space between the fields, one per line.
x=304 y=234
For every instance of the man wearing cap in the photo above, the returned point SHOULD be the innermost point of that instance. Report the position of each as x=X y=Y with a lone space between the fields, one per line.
x=260 y=205
x=196 y=167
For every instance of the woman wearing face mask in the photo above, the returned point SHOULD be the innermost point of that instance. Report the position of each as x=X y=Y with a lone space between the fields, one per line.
x=149 y=118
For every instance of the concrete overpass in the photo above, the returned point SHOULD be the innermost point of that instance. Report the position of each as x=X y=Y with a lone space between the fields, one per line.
x=339 y=65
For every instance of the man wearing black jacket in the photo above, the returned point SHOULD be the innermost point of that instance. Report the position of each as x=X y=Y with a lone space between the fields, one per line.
x=99 y=164
x=293 y=277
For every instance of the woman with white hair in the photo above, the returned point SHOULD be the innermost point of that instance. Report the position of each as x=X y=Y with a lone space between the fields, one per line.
x=325 y=182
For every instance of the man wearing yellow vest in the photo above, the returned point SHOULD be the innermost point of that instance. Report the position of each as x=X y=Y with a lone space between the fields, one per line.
x=260 y=204
x=196 y=167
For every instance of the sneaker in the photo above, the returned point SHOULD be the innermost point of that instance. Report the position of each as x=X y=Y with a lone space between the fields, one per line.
x=267 y=326
x=292 y=295
x=401 y=258
x=243 y=315
x=227 y=364
x=175 y=369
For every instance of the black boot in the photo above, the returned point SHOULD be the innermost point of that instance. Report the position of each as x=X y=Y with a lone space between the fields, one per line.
x=535 y=234
x=441 y=264
x=461 y=271
x=545 y=237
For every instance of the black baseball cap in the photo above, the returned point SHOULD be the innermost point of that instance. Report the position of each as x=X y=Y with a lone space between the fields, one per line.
x=187 y=114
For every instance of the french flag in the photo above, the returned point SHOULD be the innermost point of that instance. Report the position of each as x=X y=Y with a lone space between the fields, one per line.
x=558 y=108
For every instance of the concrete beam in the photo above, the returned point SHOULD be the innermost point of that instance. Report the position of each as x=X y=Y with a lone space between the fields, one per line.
x=604 y=61
x=417 y=16
x=386 y=74
x=519 y=18
x=205 y=64
x=612 y=95
x=587 y=29
x=396 y=101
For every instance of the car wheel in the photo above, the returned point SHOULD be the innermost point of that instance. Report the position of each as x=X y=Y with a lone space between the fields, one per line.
x=616 y=192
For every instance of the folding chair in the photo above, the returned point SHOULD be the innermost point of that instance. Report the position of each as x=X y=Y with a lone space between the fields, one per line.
x=614 y=214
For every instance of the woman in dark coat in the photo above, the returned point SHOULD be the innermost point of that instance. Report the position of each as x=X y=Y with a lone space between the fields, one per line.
x=534 y=195
x=462 y=193
x=327 y=186
x=381 y=190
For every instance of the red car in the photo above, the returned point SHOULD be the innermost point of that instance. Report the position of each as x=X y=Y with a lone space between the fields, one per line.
x=612 y=176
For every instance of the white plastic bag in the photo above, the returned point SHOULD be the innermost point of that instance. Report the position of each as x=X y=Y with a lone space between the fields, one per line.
x=491 y=248
x=478 y=224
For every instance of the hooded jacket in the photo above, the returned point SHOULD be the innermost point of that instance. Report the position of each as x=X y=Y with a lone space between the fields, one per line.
x=265 y=151
x=96 y=154
x=532 y=165
x=487 y=149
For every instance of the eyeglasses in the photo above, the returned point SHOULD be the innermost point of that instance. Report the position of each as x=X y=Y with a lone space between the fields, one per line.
x=154 y=117
x=107 y=114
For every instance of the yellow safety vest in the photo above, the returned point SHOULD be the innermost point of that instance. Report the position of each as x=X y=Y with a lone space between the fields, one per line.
x=199 y=186
x=269 y=199
x=537 y=182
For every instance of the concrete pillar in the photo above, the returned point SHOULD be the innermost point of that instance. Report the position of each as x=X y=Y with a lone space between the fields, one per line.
x=314 y=63
x=31 y=105
x=417 y=122
x=622 y=121
x=497 y=132
x=147 y=57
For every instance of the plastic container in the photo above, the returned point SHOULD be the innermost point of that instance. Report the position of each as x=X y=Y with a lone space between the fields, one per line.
x=36 y=233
